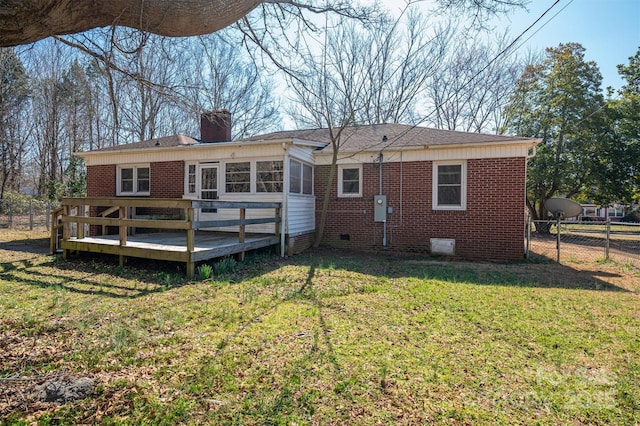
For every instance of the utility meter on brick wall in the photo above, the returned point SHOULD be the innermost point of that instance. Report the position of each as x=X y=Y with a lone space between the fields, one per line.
x=380 y=208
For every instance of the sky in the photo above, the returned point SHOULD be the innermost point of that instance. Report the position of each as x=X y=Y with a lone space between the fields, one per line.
x=609 y=30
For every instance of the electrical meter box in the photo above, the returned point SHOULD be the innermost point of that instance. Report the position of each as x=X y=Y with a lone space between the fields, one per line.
x=380 y=208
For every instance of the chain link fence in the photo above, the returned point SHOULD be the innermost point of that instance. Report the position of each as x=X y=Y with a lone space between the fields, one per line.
x=573 y=241
x=26 y=213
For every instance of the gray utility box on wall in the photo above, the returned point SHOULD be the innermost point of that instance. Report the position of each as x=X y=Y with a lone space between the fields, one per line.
x=380 y=208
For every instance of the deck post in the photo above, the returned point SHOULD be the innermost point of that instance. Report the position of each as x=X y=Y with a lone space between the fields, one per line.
x=123 y=232
x=54 y=232
x=243 y=214
x=278 y=229
x=79 y=225
x=191 y=236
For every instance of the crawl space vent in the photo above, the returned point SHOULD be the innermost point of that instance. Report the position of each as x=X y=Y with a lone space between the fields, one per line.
x=443 y=246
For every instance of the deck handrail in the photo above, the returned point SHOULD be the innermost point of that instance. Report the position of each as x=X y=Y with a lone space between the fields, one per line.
x=123 y=206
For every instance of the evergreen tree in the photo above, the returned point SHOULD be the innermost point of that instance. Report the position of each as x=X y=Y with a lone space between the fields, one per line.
x=560 y=101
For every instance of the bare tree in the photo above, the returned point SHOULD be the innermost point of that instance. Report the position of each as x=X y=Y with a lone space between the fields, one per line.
x=220 y=76
x=362 y=75
x=469 y=92
x=14 y=98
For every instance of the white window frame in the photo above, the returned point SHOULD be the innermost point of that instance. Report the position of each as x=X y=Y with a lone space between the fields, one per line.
x=303 y=174
x=135 y=168
x=188 y=193
x=341 y=168
x=463 y=185
x=252 y=177
x=311 y=178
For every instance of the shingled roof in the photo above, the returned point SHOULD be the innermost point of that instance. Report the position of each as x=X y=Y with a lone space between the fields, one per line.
x=164 y=142
x=370 y=137
x=353 y=139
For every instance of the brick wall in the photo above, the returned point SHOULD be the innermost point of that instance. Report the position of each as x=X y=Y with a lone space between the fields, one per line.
x=167 y=181
x=101 y=181
x=299 y=243
x=487 y=229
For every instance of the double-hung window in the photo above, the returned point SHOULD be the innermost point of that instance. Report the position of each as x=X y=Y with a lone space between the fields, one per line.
x=450 y=185
x=300 y=178
x=133 y=180
x=349 y=181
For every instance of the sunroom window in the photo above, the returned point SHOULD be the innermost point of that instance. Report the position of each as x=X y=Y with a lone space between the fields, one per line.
x=269 y=176
x=238 y=177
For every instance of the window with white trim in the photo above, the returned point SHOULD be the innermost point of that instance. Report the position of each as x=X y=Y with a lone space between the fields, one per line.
x=269 y=176
x=191 y=182
x=238 y=177
x=300 y=178
x=450 y=185
x=133 y=180
x=350 y=181
x=307 y=179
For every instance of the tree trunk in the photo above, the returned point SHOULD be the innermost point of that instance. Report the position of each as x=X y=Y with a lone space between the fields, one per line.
x=26 y=21
x=327 y=197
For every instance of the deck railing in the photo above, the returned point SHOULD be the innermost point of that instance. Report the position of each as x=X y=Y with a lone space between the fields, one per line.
x=77 y=213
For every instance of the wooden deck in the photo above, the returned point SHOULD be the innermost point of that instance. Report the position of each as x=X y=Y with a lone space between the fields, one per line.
x=177 y=239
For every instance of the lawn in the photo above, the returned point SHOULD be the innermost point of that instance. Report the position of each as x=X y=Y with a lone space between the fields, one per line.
x=325 y=337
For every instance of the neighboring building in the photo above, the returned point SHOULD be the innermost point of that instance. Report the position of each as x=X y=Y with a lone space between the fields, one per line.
x=592 y=212
x=397 y=187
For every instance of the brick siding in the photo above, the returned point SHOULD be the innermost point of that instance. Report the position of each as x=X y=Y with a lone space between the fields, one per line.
x=490 y=228
x=167 y=181
x=299 y=243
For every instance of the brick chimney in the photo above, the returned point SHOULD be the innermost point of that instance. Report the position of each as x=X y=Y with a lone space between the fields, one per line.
x=215 y=126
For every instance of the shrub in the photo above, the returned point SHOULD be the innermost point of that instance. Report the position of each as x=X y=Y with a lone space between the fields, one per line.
x=225 y=266
x=204 y=272
x=632 y=217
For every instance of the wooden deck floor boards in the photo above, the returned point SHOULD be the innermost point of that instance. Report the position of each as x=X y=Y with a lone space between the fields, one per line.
x=176 y=241
x=172 y=246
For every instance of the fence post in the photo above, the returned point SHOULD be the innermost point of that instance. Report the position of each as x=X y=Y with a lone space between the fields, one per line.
x=10 y=213
x=558 y=240
x=30 y=215
x=607 y=239
x=528 y=236
x=48 y=216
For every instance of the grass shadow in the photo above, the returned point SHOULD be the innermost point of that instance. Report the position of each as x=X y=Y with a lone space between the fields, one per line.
x=535 y=273
x=89 y=278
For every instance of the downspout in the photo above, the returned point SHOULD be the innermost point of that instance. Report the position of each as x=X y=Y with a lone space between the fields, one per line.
x=401 y=211
x=384 y=223
x=284 y=213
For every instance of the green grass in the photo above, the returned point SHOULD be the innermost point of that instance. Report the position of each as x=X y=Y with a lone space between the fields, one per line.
x=323 y=338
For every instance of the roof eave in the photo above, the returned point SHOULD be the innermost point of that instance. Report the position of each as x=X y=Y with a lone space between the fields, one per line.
x=240 y=143
x=529 y=142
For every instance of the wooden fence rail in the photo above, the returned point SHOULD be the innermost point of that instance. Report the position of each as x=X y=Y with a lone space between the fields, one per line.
x=77 y=213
